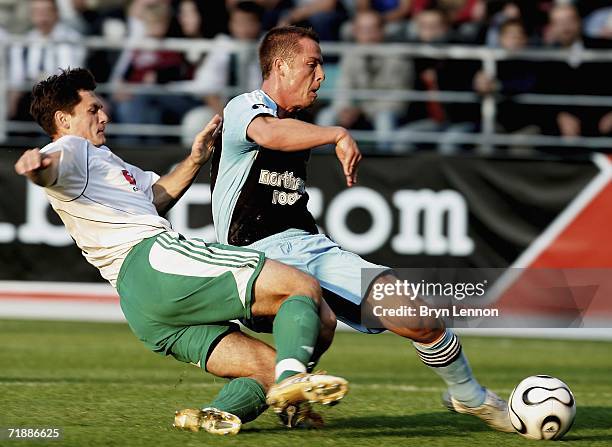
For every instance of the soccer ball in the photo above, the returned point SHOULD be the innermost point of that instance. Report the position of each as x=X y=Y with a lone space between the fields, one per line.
x=542 y=407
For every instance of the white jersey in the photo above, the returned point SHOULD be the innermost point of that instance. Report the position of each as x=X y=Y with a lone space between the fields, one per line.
x=105 y=203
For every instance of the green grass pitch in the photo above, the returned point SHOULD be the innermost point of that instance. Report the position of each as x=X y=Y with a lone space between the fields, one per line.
x=103 y=388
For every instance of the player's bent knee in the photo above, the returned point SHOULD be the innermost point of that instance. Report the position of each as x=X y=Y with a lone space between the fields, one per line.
x=308 y=286
x=314 y=290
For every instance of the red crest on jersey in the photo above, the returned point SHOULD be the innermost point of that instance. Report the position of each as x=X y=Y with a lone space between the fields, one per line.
x=129 y=177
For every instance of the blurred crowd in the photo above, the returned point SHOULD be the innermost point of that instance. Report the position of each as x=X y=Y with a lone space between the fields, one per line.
x=512 y=25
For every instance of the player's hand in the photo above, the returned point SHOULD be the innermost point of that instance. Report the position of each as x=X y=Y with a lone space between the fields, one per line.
x=40 y=168
x=204 y=142
x=30 y=161
x=349 y=155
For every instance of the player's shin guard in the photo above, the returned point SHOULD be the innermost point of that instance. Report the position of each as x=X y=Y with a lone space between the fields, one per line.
x=446 y=358
x=243 y=397
x=295 y=331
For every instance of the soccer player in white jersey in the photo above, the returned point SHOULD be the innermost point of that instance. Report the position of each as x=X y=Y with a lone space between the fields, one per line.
x=259 y=201
x=178 y=295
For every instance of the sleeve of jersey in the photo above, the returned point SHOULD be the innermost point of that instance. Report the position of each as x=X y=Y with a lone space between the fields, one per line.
x=238 y=115
x=144 y=179
x=73 y=169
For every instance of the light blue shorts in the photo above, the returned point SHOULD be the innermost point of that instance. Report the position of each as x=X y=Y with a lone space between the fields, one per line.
x=337 y=270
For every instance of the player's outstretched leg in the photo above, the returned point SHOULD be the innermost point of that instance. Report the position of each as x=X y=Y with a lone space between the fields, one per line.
x=294 y=298
x=440 y=349
x=464 y=395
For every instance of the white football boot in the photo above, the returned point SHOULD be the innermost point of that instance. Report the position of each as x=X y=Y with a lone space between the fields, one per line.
x=493 y=411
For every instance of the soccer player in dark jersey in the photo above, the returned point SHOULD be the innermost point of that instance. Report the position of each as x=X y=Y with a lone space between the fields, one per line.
x=259 y=201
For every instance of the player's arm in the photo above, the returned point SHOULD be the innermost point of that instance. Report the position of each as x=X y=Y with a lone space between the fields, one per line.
x=170 y=187
x=41 y=169
x=293 y=135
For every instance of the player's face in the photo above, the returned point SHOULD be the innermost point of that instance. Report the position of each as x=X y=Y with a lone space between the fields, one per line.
x=88 y=120
x=305 y=74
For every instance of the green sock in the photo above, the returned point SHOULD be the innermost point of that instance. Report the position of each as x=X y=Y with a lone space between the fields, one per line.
x=243 y=397
x=295 y=331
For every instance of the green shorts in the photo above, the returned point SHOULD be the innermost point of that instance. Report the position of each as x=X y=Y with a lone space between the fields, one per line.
x=179 y=295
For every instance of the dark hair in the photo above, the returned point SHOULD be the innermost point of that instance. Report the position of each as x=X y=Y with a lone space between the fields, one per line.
x=250 y=8
x=282 y=42
x=59 y=92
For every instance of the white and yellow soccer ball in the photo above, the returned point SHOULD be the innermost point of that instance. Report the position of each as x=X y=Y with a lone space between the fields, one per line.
x=542 y=407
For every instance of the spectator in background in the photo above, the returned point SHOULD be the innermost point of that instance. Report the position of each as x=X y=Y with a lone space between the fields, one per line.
x=78 y=14
x=466 y=18
x=461 y=11
x=369 y=71
x=564 y=27
x=220 y=68
x=508 y=12
x=272 y=10
x=430 y=26
x=456 y=11
x=527 y=11
x=245 y=26
x=574 y=77
x=324 y=16
x=394 y=13
x=135 y=29
x=153 y=67
x=390 y=10
x=137 y=18
x=190 y=16
x=34 y=61
x=514 y=76
x=435 y=75
x=95 y=18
